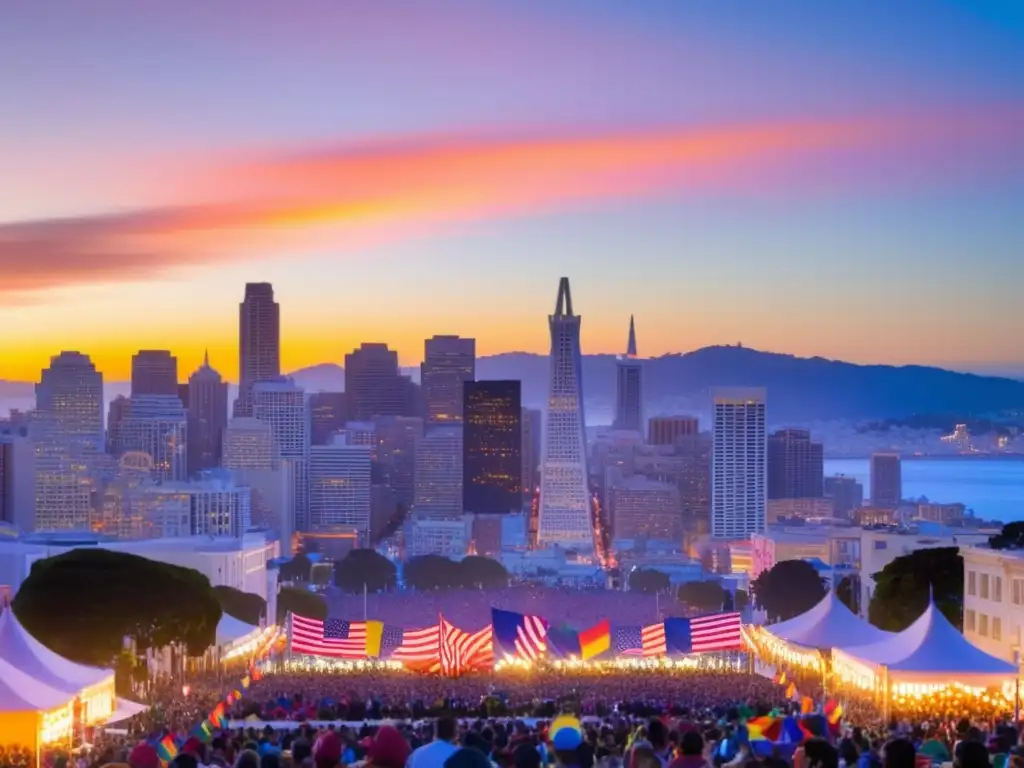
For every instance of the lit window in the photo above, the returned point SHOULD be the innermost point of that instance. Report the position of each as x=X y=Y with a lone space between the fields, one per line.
x=984 y=586
x=983 y=624
x=997 y=588
x=972 y=588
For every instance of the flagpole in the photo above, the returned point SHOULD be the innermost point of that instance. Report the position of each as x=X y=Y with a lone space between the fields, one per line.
x=364 y=602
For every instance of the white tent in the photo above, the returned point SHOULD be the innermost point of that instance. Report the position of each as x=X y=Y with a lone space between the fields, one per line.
x=22 y=651
x=125 y=709
x=829 y=624
x=20 y=692
x=931 y=650
x=231 y=631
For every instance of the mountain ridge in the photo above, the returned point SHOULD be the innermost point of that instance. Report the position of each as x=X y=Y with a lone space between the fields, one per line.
x=799 y=389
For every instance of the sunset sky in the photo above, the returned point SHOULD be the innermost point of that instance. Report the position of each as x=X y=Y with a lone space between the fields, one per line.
x=820 y=178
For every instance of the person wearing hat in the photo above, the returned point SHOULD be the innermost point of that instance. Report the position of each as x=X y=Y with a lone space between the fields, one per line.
x=566 y=737
x=389 y=749
x=143 y=756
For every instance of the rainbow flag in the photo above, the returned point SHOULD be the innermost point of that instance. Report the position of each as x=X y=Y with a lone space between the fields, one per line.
x=596 y=640
x=218 y=716
x=167 y=749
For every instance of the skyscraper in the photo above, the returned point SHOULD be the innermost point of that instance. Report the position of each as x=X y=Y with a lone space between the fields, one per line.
x=250 y=453
x=492 y=462
x=886 y=480
x=439 y=474
x=17 y=480
x=154 y=372
x=795 y=465
x=282 y=404
x=207 y=409
x=629 y=387
x=259 y=342
x=328 y=412
x=565 y=516
x=69 y=398
x=738 y=464
x=530 y=420
x=339 y=487
x=668 y=430
x=398 y=440
x=373 y=384
x=157 y=425
x=448 y=362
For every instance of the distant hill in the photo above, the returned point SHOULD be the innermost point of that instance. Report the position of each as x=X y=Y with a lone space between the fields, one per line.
x=800 y=390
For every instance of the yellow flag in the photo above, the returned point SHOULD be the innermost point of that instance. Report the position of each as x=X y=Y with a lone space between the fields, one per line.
x=374 y=635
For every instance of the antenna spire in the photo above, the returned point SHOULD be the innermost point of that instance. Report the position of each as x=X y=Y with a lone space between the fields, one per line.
x=631 y=344
x=563 y=308
x=206 y=357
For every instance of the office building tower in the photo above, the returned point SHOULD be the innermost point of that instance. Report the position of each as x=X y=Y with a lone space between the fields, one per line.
x=251 y=455
x=886 y=480
x=492 y=460
x=398 y=440
x=647 y=509
x=361 y=433
x=282 y=405
x=383 y=513
x=694 y=480
x=846 y=493
x=796 y=465
x=17 y=480
x=530 y=421
x=448 y=362
x=157 y=425
x=207 y=410
x=328 y=412
x=373 y=384
x=218 y=506
x=339 y=487
x=259 y=342
x=183 y=393
x=69 y=401
x=629 y=387
x=565 y=514
x=117 y=412
x=428 y=535
x=438 y=475
x=668 y=430
x=739 y=464
x=154 y=372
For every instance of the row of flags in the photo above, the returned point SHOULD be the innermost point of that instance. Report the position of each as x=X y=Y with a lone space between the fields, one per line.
x=510 y=634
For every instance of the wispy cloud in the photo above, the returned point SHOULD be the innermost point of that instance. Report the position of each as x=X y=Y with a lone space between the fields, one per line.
x=397 y=187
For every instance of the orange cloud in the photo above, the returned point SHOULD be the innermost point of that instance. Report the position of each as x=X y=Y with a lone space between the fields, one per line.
x=391 y=188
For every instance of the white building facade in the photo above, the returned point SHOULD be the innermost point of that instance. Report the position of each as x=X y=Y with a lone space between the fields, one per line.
x=339 y=486
x=994 y=599
x=739 y=463
x=282 y=405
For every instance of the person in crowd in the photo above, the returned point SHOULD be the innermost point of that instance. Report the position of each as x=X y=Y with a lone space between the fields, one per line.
x=434 y=754
x=899 y=753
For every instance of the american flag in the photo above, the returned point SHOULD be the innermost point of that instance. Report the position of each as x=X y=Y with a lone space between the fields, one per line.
x=718 y=632
x=336 y=638
x=463 y=651
x=652 y=639
x=415 y=646
x=627 y=641
x=531 y=638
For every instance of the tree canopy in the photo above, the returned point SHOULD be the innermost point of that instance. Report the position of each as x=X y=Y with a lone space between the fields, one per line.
x=742 y=599
x=83 y=603
x=364 y=567
x=301 y=602
x=244 y=606
x=702 y=595
x=1011 y=537
x=902 y=588
x=431 y=572
x=648 y=581
x=296 y=569
x=787 y=589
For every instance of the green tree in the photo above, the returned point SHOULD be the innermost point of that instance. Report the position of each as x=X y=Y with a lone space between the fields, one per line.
x=482 y=573
x=848 y=592
x=301 y=602
x=322 y=574
x=648 y=581
x=903 y=586
x=244 y=606
x=296 y=569
x=787 y=589
x=101 y=597
x=364 y=567
x=1011 y=537
x=431 y=572
x=702 y=595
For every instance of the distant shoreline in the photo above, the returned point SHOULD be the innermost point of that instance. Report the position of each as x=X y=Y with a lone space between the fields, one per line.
x=941 y=457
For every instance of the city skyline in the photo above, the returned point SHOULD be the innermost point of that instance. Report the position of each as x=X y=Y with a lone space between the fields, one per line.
x=863 y=174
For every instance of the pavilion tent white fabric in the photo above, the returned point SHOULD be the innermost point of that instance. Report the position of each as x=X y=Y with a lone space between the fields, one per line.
x=20 y=692
x=124 y=710
x=22 y=651
x=231 y=631
x=829 y=624
x=933 y=650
